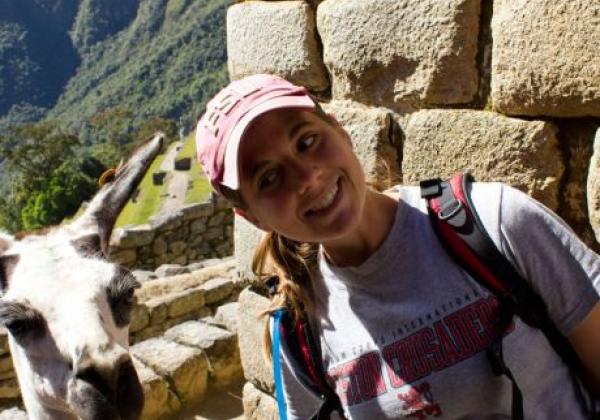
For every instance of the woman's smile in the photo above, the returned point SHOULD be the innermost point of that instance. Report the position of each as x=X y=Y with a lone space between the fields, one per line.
x=327 y=201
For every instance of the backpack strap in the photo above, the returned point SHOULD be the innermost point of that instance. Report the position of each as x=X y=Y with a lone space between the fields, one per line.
x=462 y=234
x=308 y=357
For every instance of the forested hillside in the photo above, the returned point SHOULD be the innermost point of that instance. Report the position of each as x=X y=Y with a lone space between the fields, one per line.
x=166 y=63
x=69 y=59
x=82 y=81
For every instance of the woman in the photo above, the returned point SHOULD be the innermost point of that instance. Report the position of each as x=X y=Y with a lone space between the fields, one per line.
x=401 y=328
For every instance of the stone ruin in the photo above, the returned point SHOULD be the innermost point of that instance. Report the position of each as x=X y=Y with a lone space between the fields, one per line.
x=509 y=91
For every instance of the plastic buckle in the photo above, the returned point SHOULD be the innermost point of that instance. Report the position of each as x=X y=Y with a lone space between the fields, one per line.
x=450 y=210
x=431 y=188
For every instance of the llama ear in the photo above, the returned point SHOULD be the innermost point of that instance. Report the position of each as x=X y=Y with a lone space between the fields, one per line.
x=101 y=214
x=7 y=266
x=89 y=244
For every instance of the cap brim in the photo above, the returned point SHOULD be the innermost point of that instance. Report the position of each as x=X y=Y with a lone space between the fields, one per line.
x=230 y=174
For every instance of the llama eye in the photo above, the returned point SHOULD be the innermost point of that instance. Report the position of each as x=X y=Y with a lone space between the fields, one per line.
x=121 y=297
x=21 y=321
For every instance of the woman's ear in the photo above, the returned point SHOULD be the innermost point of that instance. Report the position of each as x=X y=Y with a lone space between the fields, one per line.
x=249 y=217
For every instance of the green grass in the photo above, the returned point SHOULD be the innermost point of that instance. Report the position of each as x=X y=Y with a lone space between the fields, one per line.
x=148 y=201
x=198 y=188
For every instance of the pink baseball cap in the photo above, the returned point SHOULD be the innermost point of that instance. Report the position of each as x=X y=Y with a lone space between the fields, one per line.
x=228 y=115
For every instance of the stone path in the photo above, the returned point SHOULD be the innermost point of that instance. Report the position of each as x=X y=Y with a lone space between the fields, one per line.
x=177 y=181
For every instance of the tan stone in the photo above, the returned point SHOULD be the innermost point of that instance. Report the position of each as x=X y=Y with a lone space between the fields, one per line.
x=545 y=57
x=140 y=318
x=250 y=338
x=221 y=347
x=577 y=139
x=593 y=188
x=227 y=316
x=160 y=287
x=159 y=400
x=9 y=388
x=258 y=405
x=374 y=138
x=6 y=363
x=3 y=341
x=217 y=290
x=276 y=38
x=181 y=303
x=399 y=52
x=127 y=257
x=186 y=367
x=524 y=154
x=157 y=310
x=246 y=237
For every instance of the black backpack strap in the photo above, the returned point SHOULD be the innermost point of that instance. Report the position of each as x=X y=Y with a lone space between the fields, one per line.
x=302 y=347
x=462 y=234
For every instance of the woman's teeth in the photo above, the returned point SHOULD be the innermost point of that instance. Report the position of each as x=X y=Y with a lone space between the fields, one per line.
x=327 y=200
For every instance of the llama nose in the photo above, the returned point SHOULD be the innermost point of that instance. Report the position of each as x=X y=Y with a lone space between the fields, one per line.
x=109 y=394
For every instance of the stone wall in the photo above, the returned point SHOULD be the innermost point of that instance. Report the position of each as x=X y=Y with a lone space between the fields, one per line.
x=194 y=233
x=509 y=91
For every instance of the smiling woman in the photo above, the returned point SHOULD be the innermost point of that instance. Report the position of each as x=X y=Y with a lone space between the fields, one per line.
x=370 y=318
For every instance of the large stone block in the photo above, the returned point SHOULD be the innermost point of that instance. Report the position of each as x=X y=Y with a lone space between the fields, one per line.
x=545 y=57
x=185 y=367
x=159 y=400
x=258 y=405
x=524 y=154
x=399 y=52
x=246 y=237
x=221 y=347
x=374 y=138
x=593 y=188
x=250 y=337
x=276 y=38
x=577 y=142
x=227 y=316
x=132 y=237
x=217 y=290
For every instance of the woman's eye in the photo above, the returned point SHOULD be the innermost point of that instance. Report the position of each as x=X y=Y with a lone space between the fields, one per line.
x=268 y=179
x=306 y=143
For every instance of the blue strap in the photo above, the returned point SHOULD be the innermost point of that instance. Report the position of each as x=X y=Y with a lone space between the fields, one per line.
x=277 y=364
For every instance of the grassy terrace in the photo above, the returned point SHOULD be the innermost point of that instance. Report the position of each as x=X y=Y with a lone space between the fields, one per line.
x=198 y=186
x=148 y=201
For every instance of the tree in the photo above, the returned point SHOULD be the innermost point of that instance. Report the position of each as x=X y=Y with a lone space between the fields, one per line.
x=46 y=183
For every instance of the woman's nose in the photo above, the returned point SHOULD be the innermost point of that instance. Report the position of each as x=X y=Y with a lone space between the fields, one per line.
x=305 y=174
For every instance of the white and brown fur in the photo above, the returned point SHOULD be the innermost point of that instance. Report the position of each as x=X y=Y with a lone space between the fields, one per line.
x=67 y=310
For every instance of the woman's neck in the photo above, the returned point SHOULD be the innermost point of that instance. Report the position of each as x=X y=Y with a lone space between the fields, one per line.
x=376 y=221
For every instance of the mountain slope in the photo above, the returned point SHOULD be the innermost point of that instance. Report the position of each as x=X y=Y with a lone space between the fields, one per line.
x=167 y=62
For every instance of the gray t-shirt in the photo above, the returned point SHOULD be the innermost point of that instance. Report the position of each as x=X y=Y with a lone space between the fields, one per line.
x=404 y=334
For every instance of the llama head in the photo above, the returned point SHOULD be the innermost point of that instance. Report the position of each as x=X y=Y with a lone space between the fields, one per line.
x=67 y=310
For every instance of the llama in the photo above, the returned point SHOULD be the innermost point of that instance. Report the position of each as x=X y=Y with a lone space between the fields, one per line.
x=67 y=310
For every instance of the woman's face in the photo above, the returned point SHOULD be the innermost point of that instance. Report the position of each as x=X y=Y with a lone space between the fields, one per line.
x=300 y=177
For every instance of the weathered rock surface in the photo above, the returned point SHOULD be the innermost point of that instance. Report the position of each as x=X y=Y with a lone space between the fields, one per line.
x=217 y=289
x=524 y=154
x=258 y=405
x=593 y=188
x=250 y=340
x=221 y=347
x=185 y=366
x=9 y=388
x=227 y=316
x=577 y=142
x=374 y=138
x=159 y=400
x=545 y=57
x=246 y=237
x=276 y=38
x=397 y=52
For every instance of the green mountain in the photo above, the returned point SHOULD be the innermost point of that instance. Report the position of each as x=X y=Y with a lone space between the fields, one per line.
x=70 y=59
